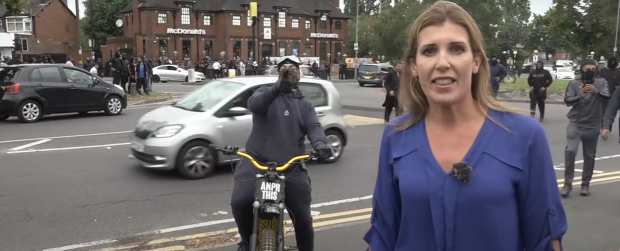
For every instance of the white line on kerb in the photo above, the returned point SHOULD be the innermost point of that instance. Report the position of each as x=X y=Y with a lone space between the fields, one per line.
x=68 y=148
x=192 y=226
x=30 y=145
x=560 y=167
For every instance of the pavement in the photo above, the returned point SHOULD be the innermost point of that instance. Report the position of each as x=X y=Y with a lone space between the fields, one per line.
x=66 y=184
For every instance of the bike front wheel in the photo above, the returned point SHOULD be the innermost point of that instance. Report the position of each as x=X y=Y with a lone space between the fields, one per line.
x=510 y=79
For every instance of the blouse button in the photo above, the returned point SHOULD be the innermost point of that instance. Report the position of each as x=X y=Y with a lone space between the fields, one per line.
x=552 y=212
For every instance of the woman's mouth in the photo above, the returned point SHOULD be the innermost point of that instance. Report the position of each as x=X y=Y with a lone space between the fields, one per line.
x=443 y=83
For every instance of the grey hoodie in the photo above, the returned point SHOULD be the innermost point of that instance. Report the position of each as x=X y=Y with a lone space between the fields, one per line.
x=586 y=112
x=612 y=110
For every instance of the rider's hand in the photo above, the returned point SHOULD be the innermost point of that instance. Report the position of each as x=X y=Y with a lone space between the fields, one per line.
x=324 y=151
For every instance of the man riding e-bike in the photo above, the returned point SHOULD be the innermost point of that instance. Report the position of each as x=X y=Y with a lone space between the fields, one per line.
x=281 y=118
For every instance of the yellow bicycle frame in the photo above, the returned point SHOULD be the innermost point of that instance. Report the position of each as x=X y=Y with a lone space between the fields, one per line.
x=281 y=168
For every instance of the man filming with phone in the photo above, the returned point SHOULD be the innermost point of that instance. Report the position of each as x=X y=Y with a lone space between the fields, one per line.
x=586 y=97
x=282 y=117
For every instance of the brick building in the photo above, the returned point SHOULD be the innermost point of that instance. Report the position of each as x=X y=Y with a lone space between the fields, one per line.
x=222 y=29
x=46 y=27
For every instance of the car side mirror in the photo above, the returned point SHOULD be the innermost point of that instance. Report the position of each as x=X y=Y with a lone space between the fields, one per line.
x=237 y=111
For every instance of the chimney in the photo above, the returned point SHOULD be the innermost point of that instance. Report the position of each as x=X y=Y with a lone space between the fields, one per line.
x=336 y=3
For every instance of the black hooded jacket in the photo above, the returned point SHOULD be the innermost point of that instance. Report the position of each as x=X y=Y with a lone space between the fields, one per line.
x=539 y=77
x=611 y=74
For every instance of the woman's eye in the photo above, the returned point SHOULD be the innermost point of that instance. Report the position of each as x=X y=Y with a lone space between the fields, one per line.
x=429 y=51
x=457 y=50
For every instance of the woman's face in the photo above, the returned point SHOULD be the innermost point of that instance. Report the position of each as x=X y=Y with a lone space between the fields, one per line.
x=445 y=63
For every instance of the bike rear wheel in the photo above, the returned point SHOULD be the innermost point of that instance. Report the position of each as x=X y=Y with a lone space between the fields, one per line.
x=510 y=79
x=268 y=240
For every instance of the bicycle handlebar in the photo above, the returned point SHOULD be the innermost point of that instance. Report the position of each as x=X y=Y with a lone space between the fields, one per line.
x=234 y=150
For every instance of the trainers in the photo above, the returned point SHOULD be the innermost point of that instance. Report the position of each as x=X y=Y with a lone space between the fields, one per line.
x=542 y=118
x=566 y=190
x=243 y=246
x=585 y=191
x=532 y=114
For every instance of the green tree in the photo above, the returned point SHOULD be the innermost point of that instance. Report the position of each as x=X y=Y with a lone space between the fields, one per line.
x=14 y=6
x=367 y=39
x=393 y=31
x=513 y=28
x=101 y=16
x=565 y=32
x=367 y=7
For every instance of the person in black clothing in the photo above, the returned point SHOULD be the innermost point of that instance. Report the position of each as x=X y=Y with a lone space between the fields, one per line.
x=132 y=74
x=281 y=120
x=391 y=83
x=611 y=74
x=125 y=74
x=539 y=80
x=115 y=68
x=328 y=69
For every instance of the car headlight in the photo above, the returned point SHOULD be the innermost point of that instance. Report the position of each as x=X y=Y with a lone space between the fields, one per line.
x=167 y=131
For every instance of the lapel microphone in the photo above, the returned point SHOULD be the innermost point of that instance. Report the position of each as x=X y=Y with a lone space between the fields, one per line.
x=462 y=171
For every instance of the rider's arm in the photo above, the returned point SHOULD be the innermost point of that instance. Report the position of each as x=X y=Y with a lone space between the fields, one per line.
x=386 y=214
x=612 y=110
x=314 y=130
x=261 y=99
x=502 y=72
x=541 y=213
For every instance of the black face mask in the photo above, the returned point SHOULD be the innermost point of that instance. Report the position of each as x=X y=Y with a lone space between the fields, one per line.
x=588 y=76
x=612 y=64
x=539 y=67
x=493 y=61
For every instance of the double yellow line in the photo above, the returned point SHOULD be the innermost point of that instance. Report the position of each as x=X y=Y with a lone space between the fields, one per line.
x=324 y=220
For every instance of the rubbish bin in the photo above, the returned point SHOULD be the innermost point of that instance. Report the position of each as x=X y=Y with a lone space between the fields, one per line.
x=191 y=76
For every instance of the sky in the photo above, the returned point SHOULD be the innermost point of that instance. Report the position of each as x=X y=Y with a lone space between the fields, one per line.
x=537 y=6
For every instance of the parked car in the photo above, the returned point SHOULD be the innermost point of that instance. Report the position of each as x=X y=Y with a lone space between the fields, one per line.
x=565 y=73
x=177 y=136
x=372 y=74
x=165 y=73
x=30 y=91
x=306 y=71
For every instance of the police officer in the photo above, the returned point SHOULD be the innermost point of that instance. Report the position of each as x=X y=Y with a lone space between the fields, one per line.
x=281 y=118
x=539 y=80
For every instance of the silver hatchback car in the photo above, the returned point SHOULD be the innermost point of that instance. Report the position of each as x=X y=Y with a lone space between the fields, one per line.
x=177 y=136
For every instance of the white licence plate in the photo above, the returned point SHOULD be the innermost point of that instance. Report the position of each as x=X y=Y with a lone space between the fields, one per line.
x=137 y=146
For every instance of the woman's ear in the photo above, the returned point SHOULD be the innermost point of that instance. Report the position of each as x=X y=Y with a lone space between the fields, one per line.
x=477 y=62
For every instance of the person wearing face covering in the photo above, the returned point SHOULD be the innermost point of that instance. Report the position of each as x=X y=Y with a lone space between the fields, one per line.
x=281 y=119
x=611 y=74
x=498 y=72
x=539 y=81
x=586 y=97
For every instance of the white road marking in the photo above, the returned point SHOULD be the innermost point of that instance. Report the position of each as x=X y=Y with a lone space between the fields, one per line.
x=192 y=226
x=30 y=145
x=65 y=137
x=560 y=167
x=67 y=148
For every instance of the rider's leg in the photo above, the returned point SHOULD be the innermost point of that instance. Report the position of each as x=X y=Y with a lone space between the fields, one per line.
x=298 y=200
x=242 y=199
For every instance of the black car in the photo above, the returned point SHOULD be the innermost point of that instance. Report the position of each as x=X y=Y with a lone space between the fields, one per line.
x=30 y=91
x=372 y=74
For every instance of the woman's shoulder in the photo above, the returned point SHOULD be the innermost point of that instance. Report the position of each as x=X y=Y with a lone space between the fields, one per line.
x=519 y=126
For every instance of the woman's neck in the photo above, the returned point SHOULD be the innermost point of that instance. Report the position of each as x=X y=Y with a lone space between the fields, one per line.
x=455 y=115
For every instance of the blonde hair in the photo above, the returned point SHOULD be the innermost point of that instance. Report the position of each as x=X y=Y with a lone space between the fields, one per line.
x=411 y=94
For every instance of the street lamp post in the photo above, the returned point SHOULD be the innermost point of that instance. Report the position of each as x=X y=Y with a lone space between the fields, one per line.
x=329 y=58
x=175 y=55
x=339 y=56
x=382 y=58
x=357 y=30
x=252 y=8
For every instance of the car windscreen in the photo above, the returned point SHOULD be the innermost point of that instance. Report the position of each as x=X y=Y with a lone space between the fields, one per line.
x=564 y=70
x=369 y=68
x=8 y=74
x=207 y=96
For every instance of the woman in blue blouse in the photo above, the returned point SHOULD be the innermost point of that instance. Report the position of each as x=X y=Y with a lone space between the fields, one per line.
x=503 y=196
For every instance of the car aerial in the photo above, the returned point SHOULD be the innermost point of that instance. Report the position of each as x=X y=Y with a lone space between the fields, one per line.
x=176 y=137
x=306 y=71
x=564 y=73
x=33 y=90
x=168 y=72
x=372 y=74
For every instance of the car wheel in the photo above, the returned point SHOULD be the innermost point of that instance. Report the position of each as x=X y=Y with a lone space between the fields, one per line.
x=29 y=112
x=336 y=141
x=362 y=85
x=4 y=117
x=196 y=160
x=113 y=105
x=155 y=78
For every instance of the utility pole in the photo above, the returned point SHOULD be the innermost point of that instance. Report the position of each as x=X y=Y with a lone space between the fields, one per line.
x=617 y=21
x=79 y=37
x=357 y=31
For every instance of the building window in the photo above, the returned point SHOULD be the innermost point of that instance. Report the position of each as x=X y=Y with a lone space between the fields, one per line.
x=295 y=48
x=18 y=24
x=249 y=19
x=267 y=50
x=237 y=48
x=209 y=49
x=338 y=25
x=308 y=50
x=24 y=44
x=308 y=26
x=163 y=47
x=185 y=19
x=162 y=18
x=338 y=47
x=266 y=22
x=187 y=48
x=250 y=50
x=282 y=48
x=282 y=19
x=323 y=24
x=207 y=20
x=295 y=22
x=236 y=21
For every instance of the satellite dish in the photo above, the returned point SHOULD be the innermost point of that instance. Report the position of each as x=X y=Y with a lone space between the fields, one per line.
x=119 y=22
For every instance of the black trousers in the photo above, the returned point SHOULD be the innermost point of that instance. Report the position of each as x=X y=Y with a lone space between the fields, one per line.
x=538 y=98
x=391 y=103
x=124 y=81
x=142 y=84
x=116 y=78
x=298 y=198
x=341 y=75
x=328 y=75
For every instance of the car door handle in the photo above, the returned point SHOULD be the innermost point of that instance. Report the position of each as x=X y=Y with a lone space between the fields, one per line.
x=320 y=114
